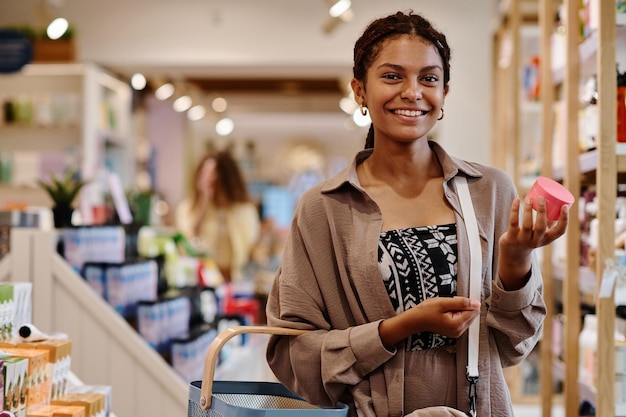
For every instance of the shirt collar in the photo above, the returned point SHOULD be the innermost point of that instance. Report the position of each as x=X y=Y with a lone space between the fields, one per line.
x=451 y=167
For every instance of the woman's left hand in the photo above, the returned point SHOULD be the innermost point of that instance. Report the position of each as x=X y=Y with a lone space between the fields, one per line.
x=521 y=237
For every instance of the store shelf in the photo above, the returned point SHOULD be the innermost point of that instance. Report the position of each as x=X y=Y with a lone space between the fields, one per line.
x=587 y=279
x=588 y=162
x=587 y=55
x=80 y=119
x=587 y=393
x=106 y=350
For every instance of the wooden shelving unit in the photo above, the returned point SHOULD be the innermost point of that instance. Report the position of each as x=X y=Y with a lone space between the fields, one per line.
x=89 y=121
x=595 y=55
x=602 y=167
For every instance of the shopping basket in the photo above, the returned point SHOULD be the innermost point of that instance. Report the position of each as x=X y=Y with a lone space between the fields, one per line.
x=209 y=398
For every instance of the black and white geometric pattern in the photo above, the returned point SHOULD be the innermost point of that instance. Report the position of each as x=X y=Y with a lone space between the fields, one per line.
x=418 y=263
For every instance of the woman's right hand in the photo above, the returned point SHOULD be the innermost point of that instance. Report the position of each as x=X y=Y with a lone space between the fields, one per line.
x=447 y=316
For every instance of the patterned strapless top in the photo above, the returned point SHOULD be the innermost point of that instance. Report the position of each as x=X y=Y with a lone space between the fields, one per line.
x=418 y=263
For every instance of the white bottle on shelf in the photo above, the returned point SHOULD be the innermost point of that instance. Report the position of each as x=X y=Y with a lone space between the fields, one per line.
x=588 y=346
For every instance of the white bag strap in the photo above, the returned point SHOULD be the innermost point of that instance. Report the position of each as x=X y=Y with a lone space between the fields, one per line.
x=475 y=283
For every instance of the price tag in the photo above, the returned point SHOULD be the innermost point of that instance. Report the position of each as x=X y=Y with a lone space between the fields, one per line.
x=608 y=283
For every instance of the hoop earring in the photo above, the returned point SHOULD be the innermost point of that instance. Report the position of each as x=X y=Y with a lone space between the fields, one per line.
x=363 y=110
x=441 y=117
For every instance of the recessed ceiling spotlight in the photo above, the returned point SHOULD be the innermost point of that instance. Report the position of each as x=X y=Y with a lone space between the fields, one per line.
x=196 y=113
x=224 y=127
x=339 y=8
x=57 y=28
x=219 y=104
x=164 y=92
x=138 y=81
x=182 y=103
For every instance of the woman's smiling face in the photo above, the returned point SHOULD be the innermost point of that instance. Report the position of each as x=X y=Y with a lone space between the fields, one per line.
x=404 y=90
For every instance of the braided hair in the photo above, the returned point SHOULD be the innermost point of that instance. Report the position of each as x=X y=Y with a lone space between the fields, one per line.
x=369 y=45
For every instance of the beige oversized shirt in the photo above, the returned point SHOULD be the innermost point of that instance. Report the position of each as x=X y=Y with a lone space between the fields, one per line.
x=228 y=234
x=329 y=282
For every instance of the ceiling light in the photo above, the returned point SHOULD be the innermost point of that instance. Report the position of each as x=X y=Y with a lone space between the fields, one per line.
x=224 y=127
x=219 y=105
x=57 y=28
x=164 y=92
x=339 y=12
x=138 y=81
x=339 y=8
x=182 y=103
x=196 y=113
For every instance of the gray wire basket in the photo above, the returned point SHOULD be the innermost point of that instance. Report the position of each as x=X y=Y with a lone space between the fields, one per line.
x=209 y=398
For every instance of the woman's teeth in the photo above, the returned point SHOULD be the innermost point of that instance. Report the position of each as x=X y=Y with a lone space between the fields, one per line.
x=410 y=113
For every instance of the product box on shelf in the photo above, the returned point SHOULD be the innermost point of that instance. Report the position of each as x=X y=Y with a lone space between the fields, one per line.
x=55 y=410
x=59 y=362
x=38 y=380
x=123 y=285
x=15 y=308
x=23 y=310
x=7 y=311
x=94 y=403
x=158 y=322
x=104 y=390
x=93 y=244
x=14 y=375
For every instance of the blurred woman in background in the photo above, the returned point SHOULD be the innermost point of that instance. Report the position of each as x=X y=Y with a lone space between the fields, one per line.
x=220 y=218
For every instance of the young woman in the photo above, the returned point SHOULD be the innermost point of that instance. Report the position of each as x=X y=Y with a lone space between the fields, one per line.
x=377 y=261
x=219 y=217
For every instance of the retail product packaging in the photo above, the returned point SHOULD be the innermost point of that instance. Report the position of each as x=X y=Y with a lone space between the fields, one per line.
x=2 y=386
x=38 y=381
x=94 y=403
x=22 y=296
x=15 y=308
x=127 y=284
x=55 y=410
x=59 y=363
x=7 y=311
x=188 y=355
x=15 y=375
x=158 y=322
x=93 y=244
x=554 y=193
x=123 y=285
x=104 y=390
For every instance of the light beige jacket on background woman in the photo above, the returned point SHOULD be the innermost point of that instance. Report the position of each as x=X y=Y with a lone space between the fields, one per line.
x=240 y=223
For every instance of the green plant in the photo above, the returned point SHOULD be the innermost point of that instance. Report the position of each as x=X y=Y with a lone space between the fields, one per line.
x=63 y=190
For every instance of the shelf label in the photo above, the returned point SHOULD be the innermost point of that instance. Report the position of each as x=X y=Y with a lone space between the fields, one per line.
x=15 y=51
x=608 y=283
x=119 y=199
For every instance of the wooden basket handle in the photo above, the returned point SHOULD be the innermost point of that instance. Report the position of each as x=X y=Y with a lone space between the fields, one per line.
x=217 y=344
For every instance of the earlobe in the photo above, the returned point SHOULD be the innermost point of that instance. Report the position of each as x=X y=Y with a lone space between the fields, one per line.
x=357 y=89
